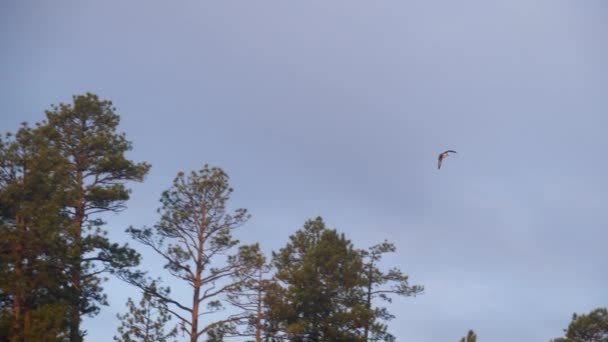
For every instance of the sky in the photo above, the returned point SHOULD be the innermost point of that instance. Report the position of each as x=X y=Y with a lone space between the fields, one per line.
x=339 y=109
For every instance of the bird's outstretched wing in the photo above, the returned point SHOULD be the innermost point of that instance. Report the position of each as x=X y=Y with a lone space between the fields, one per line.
x=442 y=155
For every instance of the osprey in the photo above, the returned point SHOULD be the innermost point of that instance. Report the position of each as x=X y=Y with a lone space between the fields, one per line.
x=443 y=155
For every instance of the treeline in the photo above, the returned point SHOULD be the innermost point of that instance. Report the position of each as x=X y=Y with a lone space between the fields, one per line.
x=60 y=175
x=58 y=178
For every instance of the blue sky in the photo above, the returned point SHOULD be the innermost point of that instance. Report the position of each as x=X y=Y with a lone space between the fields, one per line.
x=339 y=109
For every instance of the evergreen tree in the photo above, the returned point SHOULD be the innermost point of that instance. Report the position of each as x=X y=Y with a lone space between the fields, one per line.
x=471 y=337
x=84 y=133
x=382 y=285
x=319 y=292
x=591 y=327
x=193 y=236
x=250 y=298
x=32 y=180
x=146 y=321
x=215 y=335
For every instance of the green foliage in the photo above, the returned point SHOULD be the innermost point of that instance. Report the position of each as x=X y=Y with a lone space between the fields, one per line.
x=194 y=237
x=31 y=224
x=215 y=335
x=5 y=323
x=471 y=337
x=326 y=289
x=146 y=321
x=47 y=323
x=96 y=169
x=591 y=327
x=381 y=285
x=53 y=179
x=249 y=297
x=320 y=289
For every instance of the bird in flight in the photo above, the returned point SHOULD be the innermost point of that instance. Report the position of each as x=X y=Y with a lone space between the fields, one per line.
x=442 y=156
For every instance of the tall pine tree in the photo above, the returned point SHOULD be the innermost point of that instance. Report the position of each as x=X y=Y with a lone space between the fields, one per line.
x=194 y=237
x=32 y=180
x=85 y=134
x=319 y=292
x=250 y=298
x=382 y=285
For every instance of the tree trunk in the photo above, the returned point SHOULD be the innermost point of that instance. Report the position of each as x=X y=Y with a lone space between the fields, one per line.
x=195 y=296
x=75 y=309
x=76 y=255
x=18 y=333
x=147 y=323
x=197 y=277
x=27 y=320
x=258 y=321
x=369 y=299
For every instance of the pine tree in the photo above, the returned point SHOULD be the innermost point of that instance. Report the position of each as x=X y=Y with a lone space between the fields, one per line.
x=31 y=225
x=382 y=285
x=471 y=337
x=250 y=298
x=319 y=291
x=215 y=335
x=193 y=236
x=591 y=327
x=146 y=321
x=84 y=133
